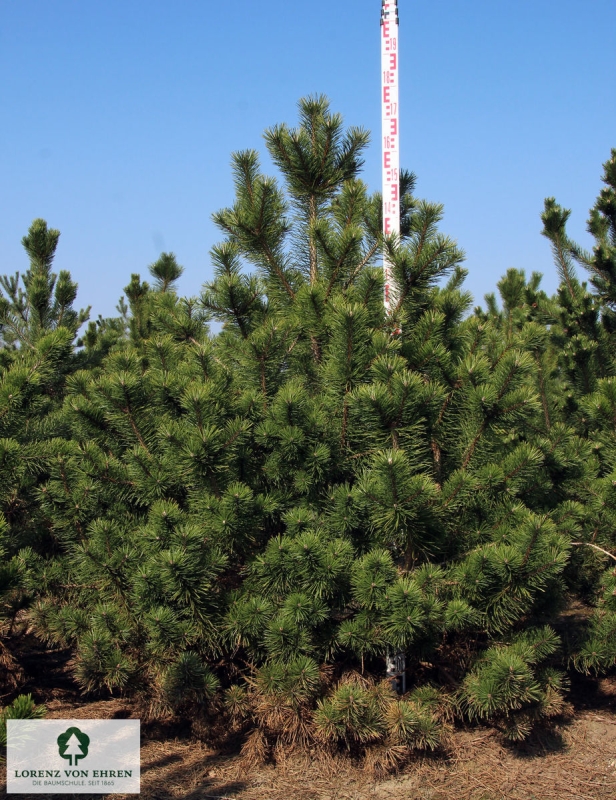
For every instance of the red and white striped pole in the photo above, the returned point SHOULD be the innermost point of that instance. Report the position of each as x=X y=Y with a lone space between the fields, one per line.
x=395 y=661
x=390 y=115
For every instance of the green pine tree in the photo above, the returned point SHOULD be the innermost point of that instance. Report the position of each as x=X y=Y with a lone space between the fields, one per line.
x=274 y=508
x=584 y=340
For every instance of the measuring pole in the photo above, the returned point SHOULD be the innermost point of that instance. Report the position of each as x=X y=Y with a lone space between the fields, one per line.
x=390 y=115
x=395 y=661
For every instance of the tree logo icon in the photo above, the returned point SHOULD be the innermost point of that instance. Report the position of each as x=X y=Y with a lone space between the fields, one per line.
x=73 y=744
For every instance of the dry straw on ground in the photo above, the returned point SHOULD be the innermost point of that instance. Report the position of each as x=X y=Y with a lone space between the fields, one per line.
x=577 y=761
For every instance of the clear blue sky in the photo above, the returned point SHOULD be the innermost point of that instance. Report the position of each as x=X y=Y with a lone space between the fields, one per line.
x=118 y=117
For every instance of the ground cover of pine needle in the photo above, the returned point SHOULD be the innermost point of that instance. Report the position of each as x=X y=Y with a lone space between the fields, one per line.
x=579 y=761
x=575 y=760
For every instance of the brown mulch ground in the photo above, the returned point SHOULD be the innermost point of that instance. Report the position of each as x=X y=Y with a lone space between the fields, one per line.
x=576 y=760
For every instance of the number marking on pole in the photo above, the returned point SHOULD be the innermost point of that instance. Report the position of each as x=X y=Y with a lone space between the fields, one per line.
x=391 y=134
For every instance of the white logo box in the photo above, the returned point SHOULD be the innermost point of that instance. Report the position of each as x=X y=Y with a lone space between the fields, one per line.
x=73 y=756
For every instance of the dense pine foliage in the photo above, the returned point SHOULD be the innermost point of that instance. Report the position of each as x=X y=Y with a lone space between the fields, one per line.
x=246 y=522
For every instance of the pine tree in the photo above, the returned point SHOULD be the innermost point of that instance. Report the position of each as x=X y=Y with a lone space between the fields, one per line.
x=276 y=506
x=44 y=303
x=577 y=365
x=586 y=341
x=38 y=326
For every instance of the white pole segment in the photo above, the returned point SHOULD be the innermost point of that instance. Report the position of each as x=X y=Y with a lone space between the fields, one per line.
x=390 y=115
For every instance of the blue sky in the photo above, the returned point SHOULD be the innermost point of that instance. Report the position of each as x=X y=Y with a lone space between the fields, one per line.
x=118 y=119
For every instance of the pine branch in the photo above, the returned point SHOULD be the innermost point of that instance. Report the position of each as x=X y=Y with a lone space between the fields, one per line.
x=596 y=547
